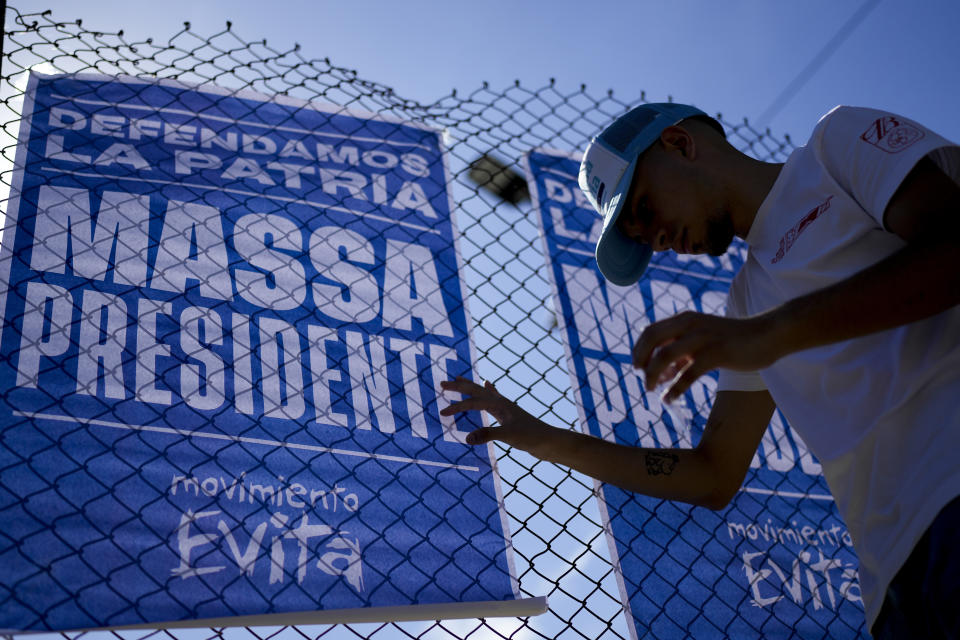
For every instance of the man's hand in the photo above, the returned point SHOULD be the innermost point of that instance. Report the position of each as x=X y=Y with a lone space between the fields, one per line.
x=695 y=343
x=517 y=427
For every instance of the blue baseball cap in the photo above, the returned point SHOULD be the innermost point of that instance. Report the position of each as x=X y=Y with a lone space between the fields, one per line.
x=606 y=173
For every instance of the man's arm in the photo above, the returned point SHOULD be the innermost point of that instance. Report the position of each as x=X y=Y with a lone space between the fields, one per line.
x=709 y=475
x=918 y=281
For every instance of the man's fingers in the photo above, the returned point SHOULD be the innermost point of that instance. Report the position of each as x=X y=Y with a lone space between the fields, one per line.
x=686 y=379
x=656 y=335
x=649 y=340
x=468 y=404
x=461 y=385
x=668 y=360
x=469 y=387
x=644 y=346
x=482 y=435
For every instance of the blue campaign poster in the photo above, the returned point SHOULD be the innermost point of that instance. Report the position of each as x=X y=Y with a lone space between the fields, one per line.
x=778 y=561
x=225 y=320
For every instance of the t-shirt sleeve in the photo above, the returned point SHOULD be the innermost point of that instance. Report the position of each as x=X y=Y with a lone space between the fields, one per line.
x=869 y=153
x=738 y=380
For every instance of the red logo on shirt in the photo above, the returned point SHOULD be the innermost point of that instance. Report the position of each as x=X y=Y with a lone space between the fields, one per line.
x=791 y=236
x=891 y=134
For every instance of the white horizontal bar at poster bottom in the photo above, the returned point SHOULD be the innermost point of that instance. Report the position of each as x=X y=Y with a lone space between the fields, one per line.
x=787 y=494
x=522 y=607
x=232 y=438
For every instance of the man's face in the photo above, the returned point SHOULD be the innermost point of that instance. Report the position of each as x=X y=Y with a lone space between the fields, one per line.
x=673 y=205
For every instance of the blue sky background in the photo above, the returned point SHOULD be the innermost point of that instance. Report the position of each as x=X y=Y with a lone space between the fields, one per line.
x=735 y=57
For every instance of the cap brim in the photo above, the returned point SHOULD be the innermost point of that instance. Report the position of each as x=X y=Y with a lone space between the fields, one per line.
x=622 y=260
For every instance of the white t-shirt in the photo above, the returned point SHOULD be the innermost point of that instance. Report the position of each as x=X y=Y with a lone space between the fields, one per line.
x=881 y=412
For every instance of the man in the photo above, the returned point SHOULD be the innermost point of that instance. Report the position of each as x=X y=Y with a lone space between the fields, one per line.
x=844 y=316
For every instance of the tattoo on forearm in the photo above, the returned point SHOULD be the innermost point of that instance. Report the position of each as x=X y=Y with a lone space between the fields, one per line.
x=661 y=463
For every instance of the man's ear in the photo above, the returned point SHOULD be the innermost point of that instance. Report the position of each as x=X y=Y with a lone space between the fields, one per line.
x=676 y=138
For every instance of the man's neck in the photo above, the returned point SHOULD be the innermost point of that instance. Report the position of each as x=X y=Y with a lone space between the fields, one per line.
x=755 y=179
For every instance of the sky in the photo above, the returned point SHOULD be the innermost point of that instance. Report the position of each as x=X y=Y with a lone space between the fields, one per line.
x=780 y=64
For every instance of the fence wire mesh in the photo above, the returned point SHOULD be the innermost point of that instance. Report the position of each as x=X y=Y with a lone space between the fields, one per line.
x=558 y=536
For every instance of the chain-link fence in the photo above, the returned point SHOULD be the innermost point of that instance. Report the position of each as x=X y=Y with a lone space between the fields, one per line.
x=557 y=530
